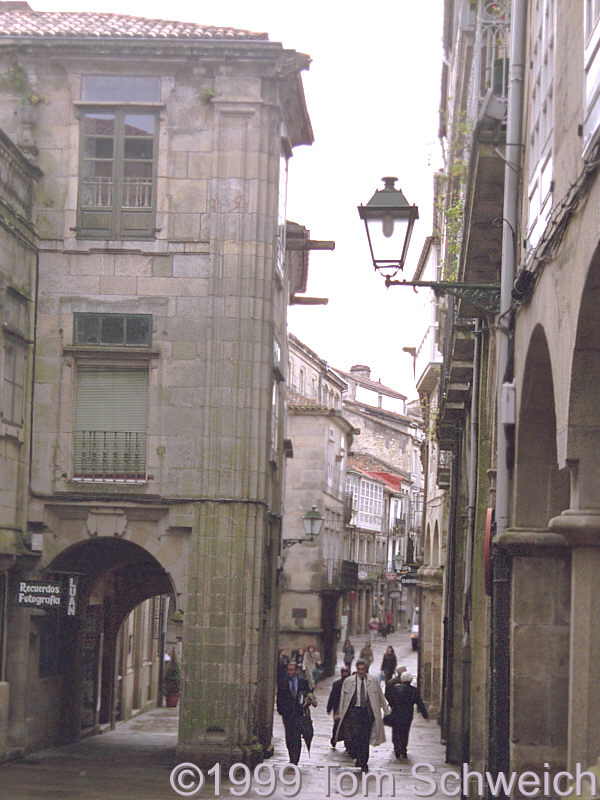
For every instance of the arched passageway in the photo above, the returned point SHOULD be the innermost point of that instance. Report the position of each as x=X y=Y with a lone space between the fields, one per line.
x=540 y=570
x=105 y=674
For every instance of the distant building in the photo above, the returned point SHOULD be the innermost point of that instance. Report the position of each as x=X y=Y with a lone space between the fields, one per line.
x=315 y=577
x=389 y=446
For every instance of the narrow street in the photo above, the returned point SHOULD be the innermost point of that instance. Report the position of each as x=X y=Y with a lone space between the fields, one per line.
x=134 y=761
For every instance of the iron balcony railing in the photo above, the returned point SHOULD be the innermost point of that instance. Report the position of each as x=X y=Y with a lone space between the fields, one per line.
x=110 y=456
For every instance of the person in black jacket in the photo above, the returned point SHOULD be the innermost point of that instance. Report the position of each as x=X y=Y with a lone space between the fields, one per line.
x=333 y=704
x=388 y=665
x=294 y=698
x=402 y=698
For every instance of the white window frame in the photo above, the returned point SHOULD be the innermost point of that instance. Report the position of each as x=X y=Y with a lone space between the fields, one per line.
x=541 y=123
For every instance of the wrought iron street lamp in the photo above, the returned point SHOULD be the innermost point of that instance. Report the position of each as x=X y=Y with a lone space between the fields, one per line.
x=312 y=522
x=389 y=221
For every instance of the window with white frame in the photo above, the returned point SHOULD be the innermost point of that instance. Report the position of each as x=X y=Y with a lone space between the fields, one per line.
x=275 y=417
x=591 y=73
x=330 y=458
x=541 y=120
x=281 y=215
x=342 y=463
x=370 y=505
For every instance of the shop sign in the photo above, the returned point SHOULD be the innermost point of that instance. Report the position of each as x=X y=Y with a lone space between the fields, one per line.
x=39 y=594
x=390 y=576
x=49 y=595
x=72 y=596
x=394 y=595
x=409 y=579
x=362 y=575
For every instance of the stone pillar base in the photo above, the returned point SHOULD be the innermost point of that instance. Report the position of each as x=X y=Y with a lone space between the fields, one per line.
x=207 y=754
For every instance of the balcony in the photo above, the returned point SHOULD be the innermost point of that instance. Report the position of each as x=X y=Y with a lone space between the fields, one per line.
x=113 y=456
x=427 y=361
x=340 y=576
x=443 y=469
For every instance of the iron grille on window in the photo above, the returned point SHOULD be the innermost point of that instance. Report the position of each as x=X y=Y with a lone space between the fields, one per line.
x=110 y=456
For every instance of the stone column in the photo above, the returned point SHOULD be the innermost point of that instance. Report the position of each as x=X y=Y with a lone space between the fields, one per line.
x=540 y=598
x=581 y=529
x=229 y=653
x=431 y=583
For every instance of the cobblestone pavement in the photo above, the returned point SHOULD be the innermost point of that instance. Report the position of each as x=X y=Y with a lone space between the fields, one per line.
x=134 y=761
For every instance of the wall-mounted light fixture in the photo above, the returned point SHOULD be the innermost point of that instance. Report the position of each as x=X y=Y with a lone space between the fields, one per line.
x=389 y=221
x=312 y=522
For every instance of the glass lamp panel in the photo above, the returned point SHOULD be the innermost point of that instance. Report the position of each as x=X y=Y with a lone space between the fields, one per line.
x=387 y=238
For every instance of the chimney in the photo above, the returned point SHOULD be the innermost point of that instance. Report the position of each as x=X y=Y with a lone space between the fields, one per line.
x=361 y=371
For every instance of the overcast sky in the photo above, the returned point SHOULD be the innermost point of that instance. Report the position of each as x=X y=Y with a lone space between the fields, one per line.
x=373 y=93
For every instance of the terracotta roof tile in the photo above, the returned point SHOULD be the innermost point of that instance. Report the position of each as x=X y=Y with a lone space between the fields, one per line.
x=23 y=22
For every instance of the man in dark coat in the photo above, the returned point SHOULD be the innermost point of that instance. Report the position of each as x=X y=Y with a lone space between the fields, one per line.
x=294 y=697
x=402 y=698
x=333 y=704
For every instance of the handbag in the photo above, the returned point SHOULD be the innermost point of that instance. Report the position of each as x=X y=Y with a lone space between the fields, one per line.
x=387 y=720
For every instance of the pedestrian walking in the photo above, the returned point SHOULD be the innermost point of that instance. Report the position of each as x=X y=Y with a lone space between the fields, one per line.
x=389 y=620
x=373 y=627
x=383 y=630
x=298 y=659
x=367 y=654
x=282 y=661
x=311 y=666
x=294 y=698
x=348 y=652
x=388 y=664
x=362 y=705
x=333 y=703
x=402 y=698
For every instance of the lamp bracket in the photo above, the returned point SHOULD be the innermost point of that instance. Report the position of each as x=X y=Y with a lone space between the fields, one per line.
x=285 y=543
x=484 y=296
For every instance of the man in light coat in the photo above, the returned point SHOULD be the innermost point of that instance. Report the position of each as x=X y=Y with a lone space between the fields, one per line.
x=362 y=706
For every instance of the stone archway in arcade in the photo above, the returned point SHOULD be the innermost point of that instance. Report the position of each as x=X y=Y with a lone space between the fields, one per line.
x=580 y=527
x=540 y=575
x=113 y=576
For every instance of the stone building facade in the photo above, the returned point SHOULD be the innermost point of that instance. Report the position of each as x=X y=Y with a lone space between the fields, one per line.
x=160 y=338
x=518 y=385
x=18 y=272
x=316 y=577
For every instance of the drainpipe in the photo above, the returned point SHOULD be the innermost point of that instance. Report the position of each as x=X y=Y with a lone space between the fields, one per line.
x=469 y=544
x=449 y=604
x=499 y=752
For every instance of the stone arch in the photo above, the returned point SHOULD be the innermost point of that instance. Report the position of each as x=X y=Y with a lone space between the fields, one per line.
x=427 y=549
x=114 y=575
x=541 y=489
x=584 y=419
x=435 y=548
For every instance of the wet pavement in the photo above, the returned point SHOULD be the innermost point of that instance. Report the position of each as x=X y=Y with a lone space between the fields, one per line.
x=134 y=762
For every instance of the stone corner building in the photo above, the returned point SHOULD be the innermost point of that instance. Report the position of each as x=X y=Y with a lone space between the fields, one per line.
x=158 y=318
